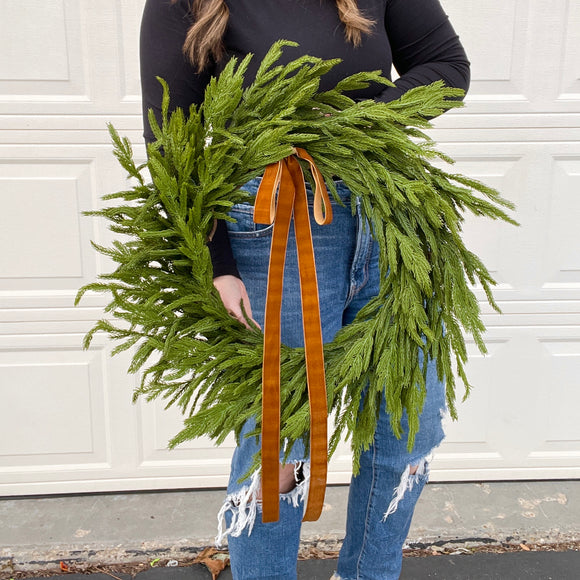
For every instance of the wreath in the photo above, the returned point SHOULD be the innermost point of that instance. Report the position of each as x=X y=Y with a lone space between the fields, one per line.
x=164 y=306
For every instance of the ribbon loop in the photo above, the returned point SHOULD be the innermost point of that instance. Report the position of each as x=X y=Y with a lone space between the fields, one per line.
x=287 y=178
x=322 y=207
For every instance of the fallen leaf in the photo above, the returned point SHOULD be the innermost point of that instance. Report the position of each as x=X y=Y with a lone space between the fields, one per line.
x=524 y=547
x=213 y=560
x=205 y=553
x=64 y=566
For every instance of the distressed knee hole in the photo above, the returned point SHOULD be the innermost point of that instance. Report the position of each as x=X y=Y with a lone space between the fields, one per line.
x=288 y=478
x=410 y=476
x=244 y=505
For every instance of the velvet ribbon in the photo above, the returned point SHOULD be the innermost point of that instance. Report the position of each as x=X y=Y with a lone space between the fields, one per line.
x=286 y=178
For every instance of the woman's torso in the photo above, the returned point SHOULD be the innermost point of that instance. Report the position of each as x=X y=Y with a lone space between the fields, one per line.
x=254 y=26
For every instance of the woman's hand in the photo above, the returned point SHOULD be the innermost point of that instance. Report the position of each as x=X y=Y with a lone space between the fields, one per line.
x=233 y=294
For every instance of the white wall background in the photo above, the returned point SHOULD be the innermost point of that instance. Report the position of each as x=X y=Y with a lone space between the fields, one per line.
x=69 y=66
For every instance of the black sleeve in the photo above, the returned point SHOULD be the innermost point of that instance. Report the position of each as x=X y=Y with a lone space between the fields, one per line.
x=425 y=47
x=220 y=249
x=163 y=30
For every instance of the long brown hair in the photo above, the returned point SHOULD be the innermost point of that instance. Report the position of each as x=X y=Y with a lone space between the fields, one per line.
x=204 y=40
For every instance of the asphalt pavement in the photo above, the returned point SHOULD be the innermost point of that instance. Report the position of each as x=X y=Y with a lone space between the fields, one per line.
x=484 y=566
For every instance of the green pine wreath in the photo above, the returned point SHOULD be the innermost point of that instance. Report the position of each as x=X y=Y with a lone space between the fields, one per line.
x=192 y=353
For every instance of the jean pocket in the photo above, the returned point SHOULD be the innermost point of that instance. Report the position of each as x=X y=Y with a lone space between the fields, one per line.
x=244 y=226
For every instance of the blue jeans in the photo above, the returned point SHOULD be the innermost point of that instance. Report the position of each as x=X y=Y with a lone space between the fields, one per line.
x=382 y=496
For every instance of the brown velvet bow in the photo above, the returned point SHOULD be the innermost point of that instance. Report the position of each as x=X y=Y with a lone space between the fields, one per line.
x=287 y=178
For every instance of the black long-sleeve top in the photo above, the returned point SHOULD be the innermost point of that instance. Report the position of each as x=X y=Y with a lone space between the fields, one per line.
x=413 y=35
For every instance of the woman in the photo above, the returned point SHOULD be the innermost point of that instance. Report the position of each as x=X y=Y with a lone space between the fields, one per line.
x=187 y=41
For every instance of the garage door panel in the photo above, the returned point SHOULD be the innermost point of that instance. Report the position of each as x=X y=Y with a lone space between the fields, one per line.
x=562 y=248
x=129 y=18
x=58 y=415
x=52 y=63
x=473 y=424
x=570 y=78
x=46 y=236
x=514 y=421
x=488 y=416
x=560 y=400
x=495 y=42
x=44 y=191
x=557 y=401
x=539 y=258
x=506 y=167
x=524 y=53
x=158 y=425
x=489 y=238
x=45 y=59
x=42 y=56
x=43 y=230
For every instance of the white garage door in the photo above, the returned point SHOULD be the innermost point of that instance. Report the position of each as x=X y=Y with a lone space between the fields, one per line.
x=69 y=66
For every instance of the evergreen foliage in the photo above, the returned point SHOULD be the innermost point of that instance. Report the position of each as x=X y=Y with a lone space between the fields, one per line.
x=192 y=353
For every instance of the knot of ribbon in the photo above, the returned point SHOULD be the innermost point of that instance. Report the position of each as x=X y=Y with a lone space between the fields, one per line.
x=286 y=178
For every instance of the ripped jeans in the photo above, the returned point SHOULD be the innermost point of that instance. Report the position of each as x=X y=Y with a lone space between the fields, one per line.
x=383 y=495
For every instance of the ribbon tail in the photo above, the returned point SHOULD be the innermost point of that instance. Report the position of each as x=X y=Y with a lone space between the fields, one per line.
x=313 y=344
x=271 y=356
